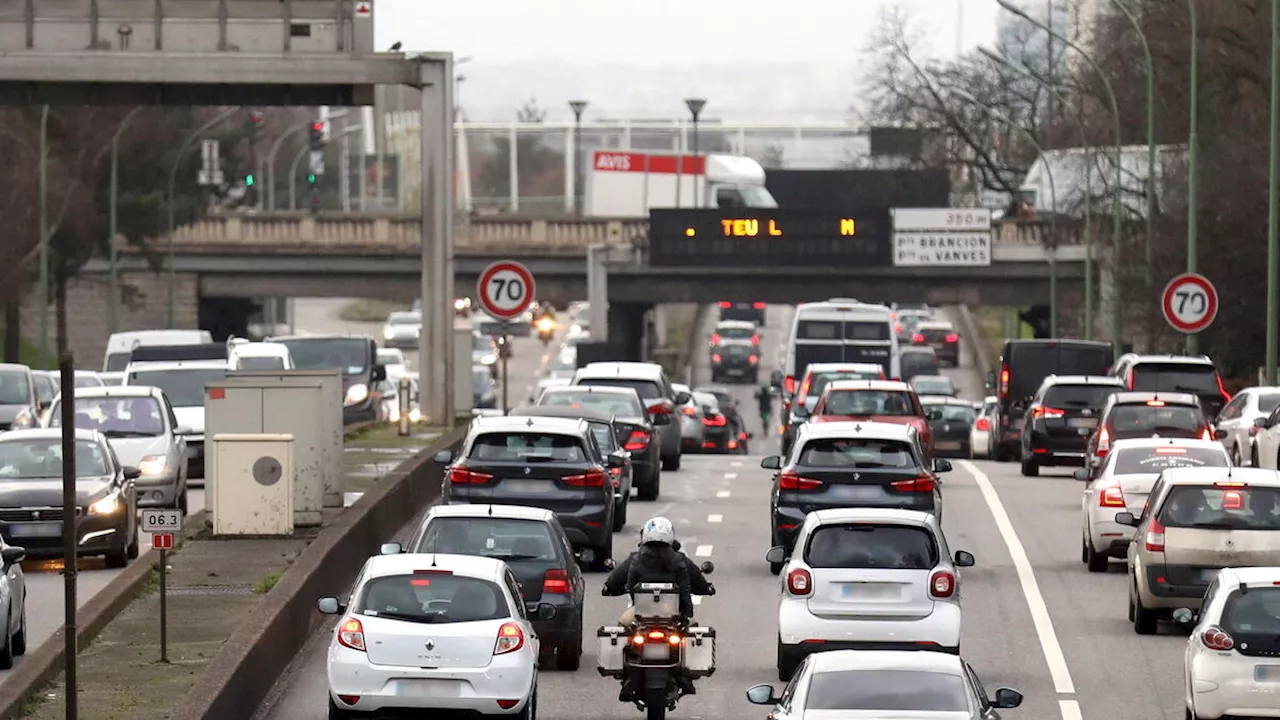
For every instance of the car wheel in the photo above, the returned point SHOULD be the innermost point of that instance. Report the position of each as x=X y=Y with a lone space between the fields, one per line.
x=671 y=462
x=1144 y=620
x=1253 y=456
x=337 y=713
x=569 y=656
x=132 y=550
x=6 y=652
x=117 y=558
x=183 y=504
x=20 y=637
x=1096 y=561
x=531 y=707
x=603 y=553
x=787 y=663
x=619 y=515
x=649 y=491
x=1029 y=467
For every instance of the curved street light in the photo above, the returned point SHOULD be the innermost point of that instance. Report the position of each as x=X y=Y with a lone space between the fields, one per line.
x=275 y=148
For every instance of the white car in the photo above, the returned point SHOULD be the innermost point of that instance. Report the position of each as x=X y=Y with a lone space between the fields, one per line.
x=1124 y=483
x=867 y=578
x=1236 y=424
x=402 y=330
x=980 y=433
x=13 y=595
x=1230 y=662
x=884 y=684
x=394 y=360
x=433 y=632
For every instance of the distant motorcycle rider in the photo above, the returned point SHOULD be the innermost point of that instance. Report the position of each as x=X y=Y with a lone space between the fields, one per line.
x=764 y=396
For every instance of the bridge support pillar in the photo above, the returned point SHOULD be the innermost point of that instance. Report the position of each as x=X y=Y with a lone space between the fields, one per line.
x=627 y=325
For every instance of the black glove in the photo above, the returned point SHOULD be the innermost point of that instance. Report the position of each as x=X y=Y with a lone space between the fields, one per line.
x=712 y=588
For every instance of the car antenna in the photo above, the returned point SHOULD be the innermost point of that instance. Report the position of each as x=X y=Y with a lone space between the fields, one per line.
x=490 y=509
x=433 y=559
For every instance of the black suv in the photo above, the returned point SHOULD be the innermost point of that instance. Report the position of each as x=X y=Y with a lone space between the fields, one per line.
x=1130 y=415
x=1062 y=416
x=1175 y=373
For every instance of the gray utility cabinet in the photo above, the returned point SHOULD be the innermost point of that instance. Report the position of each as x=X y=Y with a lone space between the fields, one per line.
x=304 y=404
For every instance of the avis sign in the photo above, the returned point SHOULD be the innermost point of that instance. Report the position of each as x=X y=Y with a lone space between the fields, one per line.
x=1189 y=303
x=941 y=237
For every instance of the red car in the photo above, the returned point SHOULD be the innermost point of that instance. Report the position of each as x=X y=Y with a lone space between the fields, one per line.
x=886 y=401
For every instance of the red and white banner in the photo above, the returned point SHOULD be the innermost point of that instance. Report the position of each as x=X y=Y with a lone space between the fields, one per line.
x=652 y=163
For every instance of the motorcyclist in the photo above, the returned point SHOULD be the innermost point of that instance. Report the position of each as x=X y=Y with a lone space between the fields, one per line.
x=616 y=583
x=764 y=396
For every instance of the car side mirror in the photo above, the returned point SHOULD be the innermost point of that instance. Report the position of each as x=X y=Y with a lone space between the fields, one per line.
x=1184 y=616
x=682 y=398
x=751 y=436
x=941 y=466
x=391 y=548
x=587 y=555
x=776 y=555
x=762 y=695
x=964 y=558
x=12 y=555
x=775 y=379
x=131 y=472
x=1260 y=422
x=661 y=419
x=707 y=567
x=1081 y=474
x=1007 y=699
x=1219 y=434
x=1126 y=518
x=330 y=606
x=615 y=461
x=182 y=430
x=772 y=462
x=546 y=611
x=443 y=457
x=379 y=373
x=933 y=415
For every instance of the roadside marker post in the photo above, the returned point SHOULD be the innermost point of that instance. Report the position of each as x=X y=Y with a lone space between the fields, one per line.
x=162 y=524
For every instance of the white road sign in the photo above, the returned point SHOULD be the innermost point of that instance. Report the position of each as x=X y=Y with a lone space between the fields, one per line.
x=1189 y=303
x=941 y=219
x=505 y=289
x=942 y=249
x=161 y=521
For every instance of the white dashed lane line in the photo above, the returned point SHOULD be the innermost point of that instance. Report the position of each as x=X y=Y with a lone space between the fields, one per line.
x=702 y=551
x=723 y=494
x=715 y=518
x=1070 y=709
x=730 y=476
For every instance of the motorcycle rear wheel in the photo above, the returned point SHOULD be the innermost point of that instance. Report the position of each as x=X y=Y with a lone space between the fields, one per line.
x=655 y=704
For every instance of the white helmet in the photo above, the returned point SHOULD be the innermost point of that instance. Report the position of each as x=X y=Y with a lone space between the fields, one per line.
x=658 y=529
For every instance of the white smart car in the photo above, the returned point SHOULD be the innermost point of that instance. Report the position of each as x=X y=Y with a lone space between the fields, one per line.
x=433 y=632
x=868 y=579
x=1128 y=473
x=1230 y=660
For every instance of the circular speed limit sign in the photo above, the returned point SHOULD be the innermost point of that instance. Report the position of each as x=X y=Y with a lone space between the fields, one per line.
x=1190 y=303
x=505 y=289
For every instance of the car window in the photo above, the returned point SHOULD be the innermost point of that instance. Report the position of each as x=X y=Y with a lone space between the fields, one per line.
x=603 y=433
x=962 y=414
x=887 y=691
x=503 y=538
x=528 y=447
x=184 y=387
x=1132 y=461
x=735 y=333
x=115 y=416
x=432 y=597
x=1148 y=419
x=868 y=402
x=1175 y=377
x=820 y=382
x=260 y=363
x=1253 y=612
x=872 y=546
x=916 y=360
x=33 y=459
x=851 y=453
x=1210 y=507
x=513 y=587
x=646 y=389
x=1268 y=403
x=615 y=404
x=1078 y=396
x=932 y=386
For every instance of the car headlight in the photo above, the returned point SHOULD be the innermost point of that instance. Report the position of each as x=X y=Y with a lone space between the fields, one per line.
x=415 y=415
x=24 y=419
x=106 y=505
x=388 y=333
x=356 y=394
x=489 y=359
x=152 y=465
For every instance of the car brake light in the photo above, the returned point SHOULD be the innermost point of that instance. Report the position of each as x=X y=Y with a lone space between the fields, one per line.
x=1215 y=638
x=1104 y=442
x=716 y=421
x=924 y=483
x=897 y=327
x=917 y=338
x=799 y=582
x=1207 y=435
x=1004 y=382
x=351 y=634
x=1230 y=484
x=757 y=306
x=639 y=440
x=942 y=584
x=510 y=639
x=753 y=359
x=789 y=384
x=1128 y=379
x=661 y=408
x=690 y=411
x=952 y=337
x=755 y=340
x=591 y=478
x=1046 y=412
x=462 y=475
x=791 y=480
x=1232 y=500
x=715 y=358
x=1155 y=403
x=982 y=424
x=1155 y=536
x=555 y=582
x=715 y=338
x=725 y=304
x=1171 y=451
x=1111 y=497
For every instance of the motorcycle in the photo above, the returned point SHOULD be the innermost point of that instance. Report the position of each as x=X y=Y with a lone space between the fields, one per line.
x=546 y=329
x=660 y=654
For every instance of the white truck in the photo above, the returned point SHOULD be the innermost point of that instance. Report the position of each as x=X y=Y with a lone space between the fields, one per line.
x=625 y=183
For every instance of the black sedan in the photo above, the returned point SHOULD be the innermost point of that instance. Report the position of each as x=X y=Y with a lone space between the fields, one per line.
x=31 y=510
x=728 y=404
x=953 y=421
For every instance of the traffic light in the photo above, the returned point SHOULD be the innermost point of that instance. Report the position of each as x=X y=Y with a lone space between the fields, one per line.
x=257 y=119
x=317 y=135
x=248 y=180
x=311 y=178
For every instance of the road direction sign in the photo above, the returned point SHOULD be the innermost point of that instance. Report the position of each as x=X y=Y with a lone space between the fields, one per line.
x=1190 y=303
x=506 y=289
x=943 y=237
x=161 y=521
x=162 y=541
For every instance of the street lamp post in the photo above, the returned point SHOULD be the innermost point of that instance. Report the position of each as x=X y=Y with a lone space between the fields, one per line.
x=43 y=209
x=113 y=252
x=1193 y=151
x=173 y=180
x=578 y=107
x=1088 y=175
x=695 y=106
x=1273 y=196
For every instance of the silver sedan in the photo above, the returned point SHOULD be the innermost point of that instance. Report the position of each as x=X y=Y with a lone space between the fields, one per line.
x=692 y=429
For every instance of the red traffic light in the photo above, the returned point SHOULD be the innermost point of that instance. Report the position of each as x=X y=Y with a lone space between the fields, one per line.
x=256 y=117
x=317 y=127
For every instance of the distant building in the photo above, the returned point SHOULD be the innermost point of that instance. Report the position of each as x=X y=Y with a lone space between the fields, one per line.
x=1067 y=168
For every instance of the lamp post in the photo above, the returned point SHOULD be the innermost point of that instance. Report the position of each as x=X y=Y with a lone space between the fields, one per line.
x=113 y=252
x=1193 y=151
x=578 y=107
x=1119 y=175
x=173 y=180
x=1273 y=195
x=43 y=209
x=1088 y=175
x=695 y=106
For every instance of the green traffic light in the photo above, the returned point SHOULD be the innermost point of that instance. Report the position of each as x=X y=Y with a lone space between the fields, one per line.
x=248 y=181
x=311 y=178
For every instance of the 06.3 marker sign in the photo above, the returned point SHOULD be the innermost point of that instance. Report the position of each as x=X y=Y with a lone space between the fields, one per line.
x=505 y=289
x=1190 y=303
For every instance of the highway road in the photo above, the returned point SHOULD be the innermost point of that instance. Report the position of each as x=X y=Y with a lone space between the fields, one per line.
x=1035 y=620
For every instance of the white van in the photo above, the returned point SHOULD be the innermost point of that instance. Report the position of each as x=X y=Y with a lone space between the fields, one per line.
x=840 y=330
x=120 y=345
x=258 y=356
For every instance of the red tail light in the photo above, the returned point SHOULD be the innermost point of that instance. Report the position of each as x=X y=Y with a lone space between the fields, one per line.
x=1128 y=378
x=917 y=338
x=757 y=306
x=555 y=582
x=461 y=475
x=1206 y=435
x=753 y=359
x=690 y=411
x=924 y=483
x=791 y=480
x=1104 y=442
x=715 y=338
x=952 y=338
x=789 y=384
x=800 y=582
x=591 y=478
x=1111 y=497
x=897 y=327
x=982 y=424
x=725 y=304
x=755 y=340
x=1004 y=382
x=1046 y=412
x=1215 y=638
x=1155 y=536
x=351 y=634
x=510 y=639
x=942 y=584
x=639 y=440
x=715 y=358
x=661 y=408
x=716 y=421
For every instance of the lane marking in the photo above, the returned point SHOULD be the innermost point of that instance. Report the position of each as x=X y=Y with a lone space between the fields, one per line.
x=702 y=551
x=723 y=494
x=1070 y=709
x=736 y=463
x=1049 y=644
x=730 y=476
x=715 y=518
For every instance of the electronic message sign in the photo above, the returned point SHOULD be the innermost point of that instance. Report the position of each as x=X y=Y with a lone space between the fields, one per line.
x=757 y=237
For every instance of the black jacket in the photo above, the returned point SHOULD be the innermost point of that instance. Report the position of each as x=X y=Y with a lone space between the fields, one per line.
x=654 y=564
x=616 y=583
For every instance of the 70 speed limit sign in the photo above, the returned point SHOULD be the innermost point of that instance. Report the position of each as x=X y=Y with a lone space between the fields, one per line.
x=1190 y=303
x=505 y=289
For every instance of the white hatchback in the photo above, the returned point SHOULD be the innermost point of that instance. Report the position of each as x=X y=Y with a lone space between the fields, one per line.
x=433 y=632
x=1231 y=661
x=868 y=579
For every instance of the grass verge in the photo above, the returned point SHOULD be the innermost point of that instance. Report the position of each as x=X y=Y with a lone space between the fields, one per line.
x=370 y=311
x=263 y=586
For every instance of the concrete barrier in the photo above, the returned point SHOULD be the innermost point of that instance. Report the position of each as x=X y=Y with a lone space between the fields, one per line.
x=236 y=682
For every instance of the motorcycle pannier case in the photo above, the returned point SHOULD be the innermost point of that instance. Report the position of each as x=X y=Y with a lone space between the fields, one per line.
x=700 y=651
x=654 y=603
x=612 y=642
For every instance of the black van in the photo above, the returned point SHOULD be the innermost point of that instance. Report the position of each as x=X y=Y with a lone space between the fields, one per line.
x=1024 y=364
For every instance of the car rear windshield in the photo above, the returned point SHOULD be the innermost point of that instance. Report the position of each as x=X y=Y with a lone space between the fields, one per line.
x=916 y=360
x=735 y=333
x=647 y=389
x=527 y=447
x=1137 y=461
x=869 y=402
x=888 y=691
x=871 y=546
x=936 y=334
x=849 y=453
x=350 y=355
x=820 y=382
x=1079 y=396
x=1031 y=363
x=1175 y=377
x=1209 y=507
x=932 y=386
x=1255 y=611
x=1151 y=420
x=432 y=597
x=955 y=414
x=737 y=352
x=184 y=387
x=613 y=403
x=502 y=538
x=260 y=363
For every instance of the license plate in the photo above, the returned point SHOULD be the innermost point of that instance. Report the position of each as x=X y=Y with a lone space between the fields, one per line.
x=658 y=652
x=35 y=529
x=1082 y=422
x=950 y=445
x=733 y=371
x=1266 y=673
x=528 y=486
x=868 y=591
x=430 y=688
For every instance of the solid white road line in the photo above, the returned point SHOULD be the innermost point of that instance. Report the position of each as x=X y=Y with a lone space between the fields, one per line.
x=715 y=518
x=1030 y=588
x=703 y=551
x=1070 y=709
x=730 y=476
x=723 y=494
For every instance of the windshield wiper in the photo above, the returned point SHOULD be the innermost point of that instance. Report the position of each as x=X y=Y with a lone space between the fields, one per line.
x=407 y=617
x=512 y=556
x=1218 y=525
x=1189 y=389
x=537 y=459
x=128 y=433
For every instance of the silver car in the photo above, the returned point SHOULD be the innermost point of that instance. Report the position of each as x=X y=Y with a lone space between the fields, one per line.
x=140 y=426
x=402 y=330
x=691 y=428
